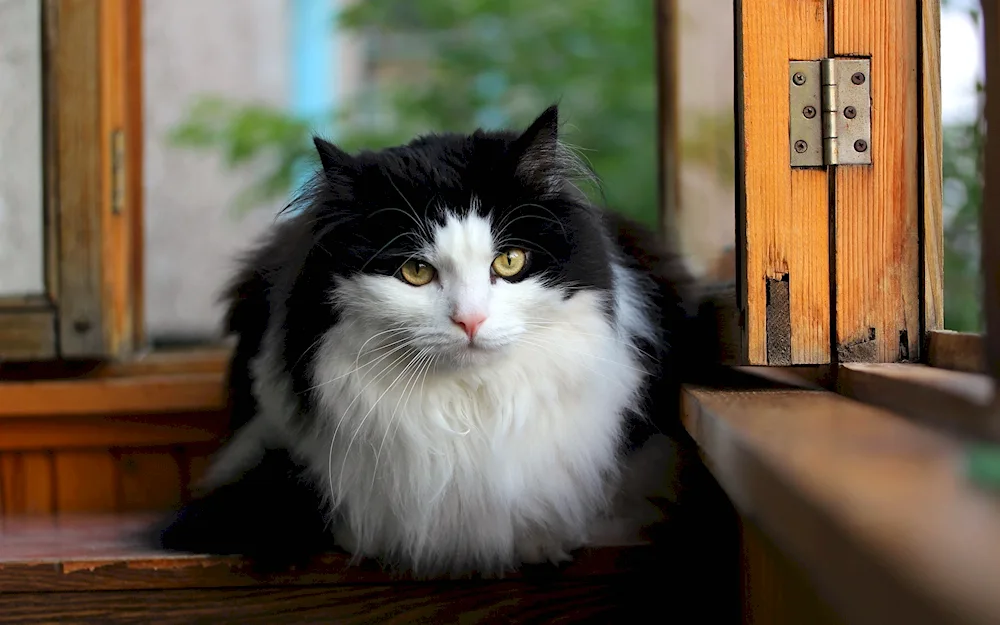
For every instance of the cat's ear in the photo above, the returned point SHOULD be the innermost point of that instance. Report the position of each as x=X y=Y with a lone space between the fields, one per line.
x=336 y=162
x=538 y=152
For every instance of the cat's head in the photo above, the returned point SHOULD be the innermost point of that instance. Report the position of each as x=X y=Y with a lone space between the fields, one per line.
x=458 y=245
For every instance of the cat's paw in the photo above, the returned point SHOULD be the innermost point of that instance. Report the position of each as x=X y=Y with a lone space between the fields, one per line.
x=534 y=549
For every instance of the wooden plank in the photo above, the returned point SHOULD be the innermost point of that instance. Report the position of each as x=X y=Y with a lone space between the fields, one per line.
x=991 y=192
x=27 y=334
x=775 y=590
x=932 y=174
x=86 y=482
x=783 y=221
x=27 y=484
x=103 y=432
x=875 y=508
x=961 y=351
x=877 y=207
x=150 y=480
x=135 y=142
x=563 y=602
x=116 y=227
x=952 y=401
x=104 y=396
x=76 y=59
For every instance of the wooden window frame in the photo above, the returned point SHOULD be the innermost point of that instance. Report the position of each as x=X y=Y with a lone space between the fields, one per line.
x=92 y=134
x=121 y=396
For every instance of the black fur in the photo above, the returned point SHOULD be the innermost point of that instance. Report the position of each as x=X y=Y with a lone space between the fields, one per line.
x=357 y=215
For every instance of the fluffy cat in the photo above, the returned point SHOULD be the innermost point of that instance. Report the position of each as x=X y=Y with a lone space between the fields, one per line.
x=447 y=359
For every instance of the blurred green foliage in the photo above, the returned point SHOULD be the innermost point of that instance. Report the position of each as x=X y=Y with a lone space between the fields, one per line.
x=963 y=198
x=463 y=64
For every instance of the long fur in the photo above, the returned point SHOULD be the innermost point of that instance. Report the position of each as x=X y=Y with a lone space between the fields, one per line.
x=390 y=430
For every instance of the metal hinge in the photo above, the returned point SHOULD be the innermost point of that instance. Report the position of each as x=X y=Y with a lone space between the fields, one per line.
x=830 y=112
x=117 y=172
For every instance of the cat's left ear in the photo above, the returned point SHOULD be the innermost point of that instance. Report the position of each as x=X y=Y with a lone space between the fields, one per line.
x=337 y=164
x=538 y=153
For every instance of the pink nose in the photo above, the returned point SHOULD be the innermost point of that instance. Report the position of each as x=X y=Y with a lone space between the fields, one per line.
x=470 y=323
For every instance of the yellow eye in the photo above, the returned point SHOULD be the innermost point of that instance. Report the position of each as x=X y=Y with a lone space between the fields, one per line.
x=510 y=263
x=417 y=272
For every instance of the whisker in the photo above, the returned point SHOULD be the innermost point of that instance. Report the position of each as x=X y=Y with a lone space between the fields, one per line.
x=361 y=425
x=333 y=439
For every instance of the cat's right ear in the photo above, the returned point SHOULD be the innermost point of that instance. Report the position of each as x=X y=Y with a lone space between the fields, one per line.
x=336 y=162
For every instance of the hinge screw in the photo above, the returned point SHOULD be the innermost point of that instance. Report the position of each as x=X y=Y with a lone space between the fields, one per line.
x=860 y=145
x=850 y=112
x=801 y=146
x=809 y=112
x=858 y=78
x=799 y=78
x=81 y=326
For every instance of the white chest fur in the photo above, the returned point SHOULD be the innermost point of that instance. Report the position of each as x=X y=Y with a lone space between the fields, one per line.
x=477 y=467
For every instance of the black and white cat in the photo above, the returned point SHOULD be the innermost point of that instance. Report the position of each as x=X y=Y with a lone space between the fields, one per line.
x=446 y=360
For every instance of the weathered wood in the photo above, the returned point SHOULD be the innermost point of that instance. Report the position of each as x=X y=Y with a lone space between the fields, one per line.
x=666 y=93
x=875 y=508
x=783 y=219
x=931 y=146
x=877 y=207
x=961 y=351
x=79 y=199
x=27 y=334
x=45 y=566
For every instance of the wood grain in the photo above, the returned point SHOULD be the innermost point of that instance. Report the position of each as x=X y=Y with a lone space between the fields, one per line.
x=873 y=507
x=27 y=482
x=558 y=602
x=135 y=140
x=783 y=220
x=149 y=479
x=105 y=432
x=932 y=175
x=113 y=395
x=27 y=334
x=991 y=192
x=877 y=244
x=45 y=566
x=86 y=481
x=116 y=213
x=76 y=61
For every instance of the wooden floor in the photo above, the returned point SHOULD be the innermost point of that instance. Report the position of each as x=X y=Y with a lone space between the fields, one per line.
x=91 y=570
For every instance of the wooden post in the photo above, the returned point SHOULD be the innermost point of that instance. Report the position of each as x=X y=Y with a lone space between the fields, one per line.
x=782 y=213
x=991 y=192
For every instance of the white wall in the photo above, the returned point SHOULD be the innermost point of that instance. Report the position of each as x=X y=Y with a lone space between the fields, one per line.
x=21 y=250
x=236 y=49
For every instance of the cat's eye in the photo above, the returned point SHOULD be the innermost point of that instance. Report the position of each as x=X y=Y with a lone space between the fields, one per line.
x=417 y=272
x=509 y=263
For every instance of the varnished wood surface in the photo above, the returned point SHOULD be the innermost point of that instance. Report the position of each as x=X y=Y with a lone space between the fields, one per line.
x=44 y=566
x=874 y=507
x=877 y=238
x=783 y=221
x=113 y=395
x=952 y=401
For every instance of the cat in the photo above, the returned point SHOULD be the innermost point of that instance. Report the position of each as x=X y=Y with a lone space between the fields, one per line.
x=449 y=359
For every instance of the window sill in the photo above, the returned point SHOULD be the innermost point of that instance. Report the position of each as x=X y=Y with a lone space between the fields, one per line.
x=875 y=508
